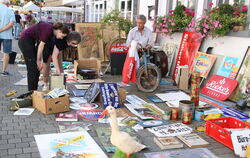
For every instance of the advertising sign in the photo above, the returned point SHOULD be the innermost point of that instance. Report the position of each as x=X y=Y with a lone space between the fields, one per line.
x=202 y=63
x=110 y=95
x=119 y=48
x=190 y=43
x=219 y=87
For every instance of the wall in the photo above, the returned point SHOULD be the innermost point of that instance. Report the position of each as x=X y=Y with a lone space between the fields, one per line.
x=143 y=9
x=223 y=46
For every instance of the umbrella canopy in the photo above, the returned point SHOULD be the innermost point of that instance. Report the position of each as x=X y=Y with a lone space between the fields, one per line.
x=62 y=9
x=30 y=6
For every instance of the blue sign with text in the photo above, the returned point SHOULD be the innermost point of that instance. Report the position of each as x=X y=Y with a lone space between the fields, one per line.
x=110 y=95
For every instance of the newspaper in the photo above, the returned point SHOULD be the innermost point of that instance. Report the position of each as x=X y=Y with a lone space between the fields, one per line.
x=133 y=99
x=57 y=92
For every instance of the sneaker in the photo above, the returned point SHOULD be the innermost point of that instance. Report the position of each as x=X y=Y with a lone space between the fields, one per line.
x=5 y=73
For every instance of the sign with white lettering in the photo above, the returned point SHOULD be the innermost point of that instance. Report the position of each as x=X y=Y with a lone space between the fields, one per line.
x=230 y=112
x=219 y=87
x=190 y=43
x=203 y=63
x=240 y=141
x=119 y=48
x=174 y=129
x=110 y=95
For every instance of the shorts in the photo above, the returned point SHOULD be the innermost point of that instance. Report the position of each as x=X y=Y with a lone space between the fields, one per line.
x=7 y=45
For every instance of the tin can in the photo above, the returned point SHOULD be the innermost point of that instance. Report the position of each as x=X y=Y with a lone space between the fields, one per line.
x=167 y=115
x=199 y=114
x=187 y=110
x=195 y=87
x=175 y=114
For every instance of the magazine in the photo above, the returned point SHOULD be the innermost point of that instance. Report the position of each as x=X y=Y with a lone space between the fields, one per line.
x=24 y=111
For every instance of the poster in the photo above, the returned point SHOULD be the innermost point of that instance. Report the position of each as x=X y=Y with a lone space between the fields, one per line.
x=240 y=141
x=174 y=129
x=92 y=115
x=185 y=153
x=219 y=87
x=243 y=78
x=202 y=63
x=190 y=43
x=229 y=67
x=110 y=95
x=70 y=145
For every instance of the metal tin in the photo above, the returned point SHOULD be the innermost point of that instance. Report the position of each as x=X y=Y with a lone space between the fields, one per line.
x=187 y=110
x=167 y=115
x=175 y=114
x=199 y=114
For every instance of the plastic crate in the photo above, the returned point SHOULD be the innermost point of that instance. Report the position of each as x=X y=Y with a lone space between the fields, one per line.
x=215 y=128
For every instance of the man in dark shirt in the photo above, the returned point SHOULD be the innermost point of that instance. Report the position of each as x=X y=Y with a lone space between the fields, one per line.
x=17 y=25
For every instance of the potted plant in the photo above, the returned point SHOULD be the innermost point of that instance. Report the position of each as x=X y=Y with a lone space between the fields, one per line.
x=240 y=17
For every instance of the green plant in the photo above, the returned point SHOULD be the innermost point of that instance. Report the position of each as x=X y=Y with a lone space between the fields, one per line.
x=114 y=17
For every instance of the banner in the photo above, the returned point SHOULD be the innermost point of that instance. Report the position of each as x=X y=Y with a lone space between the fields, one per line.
x=190 y=43
x=202 y=63
x=229 y=67
x=110 y=95
x=219 y=87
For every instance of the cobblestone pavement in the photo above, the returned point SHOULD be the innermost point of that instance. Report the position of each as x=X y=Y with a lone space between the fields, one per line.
x=17 y=132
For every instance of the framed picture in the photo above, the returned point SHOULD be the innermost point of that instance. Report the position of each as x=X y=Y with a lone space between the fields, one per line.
x=243 y=78
x=92 y=44
x=92 y=92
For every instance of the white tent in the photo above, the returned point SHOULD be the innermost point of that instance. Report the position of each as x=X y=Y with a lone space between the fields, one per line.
x=30 y=6
x=62 y=9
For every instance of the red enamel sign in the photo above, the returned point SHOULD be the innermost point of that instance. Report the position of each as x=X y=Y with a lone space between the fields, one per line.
x=119 y=48
x=190 y=43
x=219 y=87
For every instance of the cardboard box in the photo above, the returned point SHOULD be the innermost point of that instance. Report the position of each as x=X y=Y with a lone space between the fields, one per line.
x=88 y=64
x=51 y=105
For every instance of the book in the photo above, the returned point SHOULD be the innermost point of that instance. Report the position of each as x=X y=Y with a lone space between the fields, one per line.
x=168 y=142
x=193 y=140
x=62 y=117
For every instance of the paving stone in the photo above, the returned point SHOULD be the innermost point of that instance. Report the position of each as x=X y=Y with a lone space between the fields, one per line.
x=17 y=140
x=7 y=146
x=3 y=152
x=22 y=145
x=30 y=150
x=14 y=131
x=21 y=135
x=23 y=156
x=35 y=155
x=15 y=151
x=28 y=139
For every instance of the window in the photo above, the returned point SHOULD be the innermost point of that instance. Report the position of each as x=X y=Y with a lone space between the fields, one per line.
x=100 y=6
x=122 y=5
x=129 y=5
x=105 y=4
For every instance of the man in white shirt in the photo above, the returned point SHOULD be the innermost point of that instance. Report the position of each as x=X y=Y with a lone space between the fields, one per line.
x=140 y=33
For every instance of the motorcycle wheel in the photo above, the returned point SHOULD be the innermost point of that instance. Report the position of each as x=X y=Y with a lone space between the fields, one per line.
x=151 y=82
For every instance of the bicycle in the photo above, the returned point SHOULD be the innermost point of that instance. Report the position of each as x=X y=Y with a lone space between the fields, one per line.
x=148 y=75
